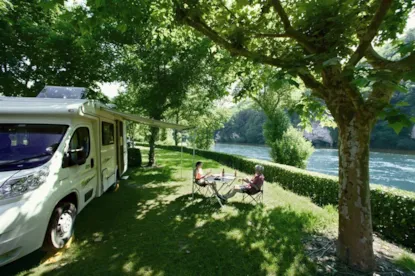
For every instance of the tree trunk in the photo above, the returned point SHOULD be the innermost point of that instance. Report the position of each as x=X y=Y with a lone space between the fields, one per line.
x=151 y=154
x=355 y=241
x=176 y=138
x=175 y=132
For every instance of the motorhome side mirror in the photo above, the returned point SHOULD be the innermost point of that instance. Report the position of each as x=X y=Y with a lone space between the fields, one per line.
x=74 y=157
x=81 y=159
x=66 y=161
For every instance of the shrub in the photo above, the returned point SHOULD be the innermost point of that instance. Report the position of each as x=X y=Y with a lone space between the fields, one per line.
x=288 y=146
x=292 y=149
x=275 y=125
x=393 y=210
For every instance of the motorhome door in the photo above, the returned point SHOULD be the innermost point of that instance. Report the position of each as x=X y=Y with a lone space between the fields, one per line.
x=81 y=169
x=120 y=146
x=108 y=154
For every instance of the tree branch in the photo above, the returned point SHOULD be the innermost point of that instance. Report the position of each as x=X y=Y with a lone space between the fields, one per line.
x=298 y=36
x=371 y=32
x=379 y=98
x=282 y=14
x=316 y=86
x=378 y=62
x=404 y=65
x=226 y=8
x=202 y=27
x=257 y=101
x=271 y=35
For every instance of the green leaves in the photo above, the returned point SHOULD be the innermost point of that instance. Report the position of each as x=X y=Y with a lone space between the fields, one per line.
x=49 y=44
x=402 y=104
x=406 y=48
x=397 y=126
x=395 y=118
x=122 y=27
x=99 y=3
x=5 y=6
x=361 y=82
x=396 y=87
x=311 y=109
x=49 y=4
x=410 y=75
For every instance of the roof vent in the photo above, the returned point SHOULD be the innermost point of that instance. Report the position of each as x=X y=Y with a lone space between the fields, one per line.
x=63 y=92
x=111 y=106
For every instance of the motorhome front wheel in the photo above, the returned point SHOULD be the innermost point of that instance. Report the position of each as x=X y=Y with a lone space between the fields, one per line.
x=61 y=226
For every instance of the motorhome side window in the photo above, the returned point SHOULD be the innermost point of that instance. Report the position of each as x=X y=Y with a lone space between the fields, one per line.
x=107 y=134
x=80 y=144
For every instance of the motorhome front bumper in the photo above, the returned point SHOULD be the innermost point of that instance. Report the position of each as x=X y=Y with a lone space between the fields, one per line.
x=19 y=233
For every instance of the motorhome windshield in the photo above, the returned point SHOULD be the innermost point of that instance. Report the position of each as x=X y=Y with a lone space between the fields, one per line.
x=24 y=146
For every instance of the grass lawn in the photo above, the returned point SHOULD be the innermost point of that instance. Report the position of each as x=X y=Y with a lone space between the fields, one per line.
x=151 y=226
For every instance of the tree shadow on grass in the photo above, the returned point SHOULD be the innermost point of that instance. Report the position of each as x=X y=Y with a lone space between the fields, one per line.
x=184 y=237
x=141 y=231
x=101 y=214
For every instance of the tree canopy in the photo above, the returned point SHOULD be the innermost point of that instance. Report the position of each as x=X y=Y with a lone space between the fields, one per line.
x=47 y=46
x=324 y=42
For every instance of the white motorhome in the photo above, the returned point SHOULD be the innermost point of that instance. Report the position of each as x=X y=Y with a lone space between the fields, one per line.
x=56 y=155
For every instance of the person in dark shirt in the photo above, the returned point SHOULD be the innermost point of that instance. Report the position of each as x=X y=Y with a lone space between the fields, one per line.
x=251 y=187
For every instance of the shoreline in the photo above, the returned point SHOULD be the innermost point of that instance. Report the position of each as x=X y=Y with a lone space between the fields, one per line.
x=391 y=151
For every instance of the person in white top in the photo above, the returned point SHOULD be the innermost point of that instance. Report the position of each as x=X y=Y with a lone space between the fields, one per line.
x=200 y=178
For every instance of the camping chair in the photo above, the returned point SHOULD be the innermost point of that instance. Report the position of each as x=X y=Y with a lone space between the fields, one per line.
x=257 y=197
x=206 y=191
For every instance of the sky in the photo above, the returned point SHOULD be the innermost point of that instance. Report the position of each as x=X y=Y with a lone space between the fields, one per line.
x=112 y=89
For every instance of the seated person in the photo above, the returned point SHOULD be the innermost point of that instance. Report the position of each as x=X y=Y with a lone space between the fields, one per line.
x=200 y=178
x=253 y=185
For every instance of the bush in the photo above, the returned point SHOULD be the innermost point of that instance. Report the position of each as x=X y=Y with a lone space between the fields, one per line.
x=134 y=157
x=292 y=149
x=288 y=146
x=393 y=211
x=276 y=125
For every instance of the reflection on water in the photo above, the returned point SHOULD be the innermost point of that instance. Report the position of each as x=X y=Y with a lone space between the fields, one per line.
x=390 y=169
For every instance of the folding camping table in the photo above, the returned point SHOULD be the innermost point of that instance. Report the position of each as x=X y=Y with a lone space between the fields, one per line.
x=226 y=181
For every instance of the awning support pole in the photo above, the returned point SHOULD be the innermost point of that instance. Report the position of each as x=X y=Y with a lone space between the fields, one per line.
x=193 y=162
x=181 y=161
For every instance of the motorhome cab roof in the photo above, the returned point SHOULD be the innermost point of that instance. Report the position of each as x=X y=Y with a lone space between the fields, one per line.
x=57 y=153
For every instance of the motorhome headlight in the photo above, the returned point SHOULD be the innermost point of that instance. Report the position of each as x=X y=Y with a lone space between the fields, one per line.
x=20 y=185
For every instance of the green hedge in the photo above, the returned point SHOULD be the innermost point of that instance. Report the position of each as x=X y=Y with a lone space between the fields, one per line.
x=393 y=210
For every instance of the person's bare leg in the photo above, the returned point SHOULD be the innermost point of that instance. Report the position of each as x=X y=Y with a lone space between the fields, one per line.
x=231 y=193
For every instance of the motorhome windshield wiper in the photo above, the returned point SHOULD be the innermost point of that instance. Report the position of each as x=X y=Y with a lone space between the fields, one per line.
x=24 y=159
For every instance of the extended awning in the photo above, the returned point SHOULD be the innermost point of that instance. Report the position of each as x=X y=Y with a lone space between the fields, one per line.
x=146 y=121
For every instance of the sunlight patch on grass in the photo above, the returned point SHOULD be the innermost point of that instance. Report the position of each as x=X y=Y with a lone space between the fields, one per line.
x=200 y=223
x=234 y=234
x=128 y=267
x=147 y=271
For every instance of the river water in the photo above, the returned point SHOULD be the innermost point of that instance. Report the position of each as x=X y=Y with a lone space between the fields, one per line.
x=389 y=169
